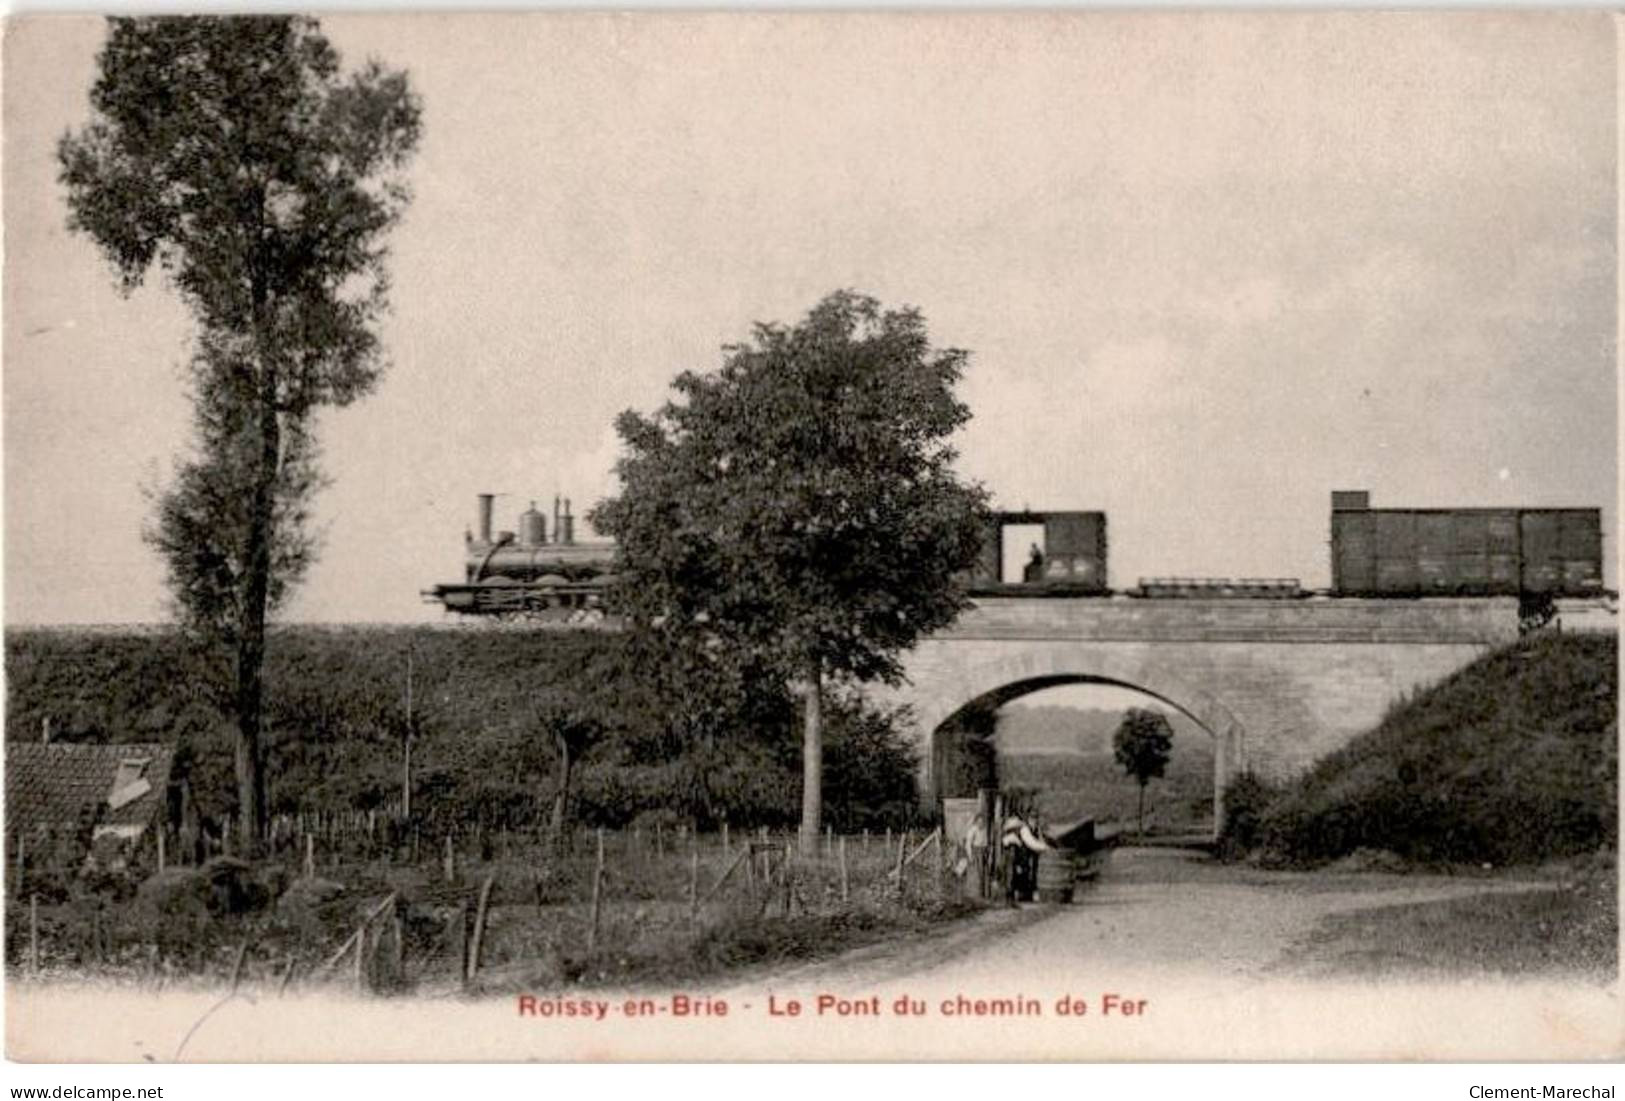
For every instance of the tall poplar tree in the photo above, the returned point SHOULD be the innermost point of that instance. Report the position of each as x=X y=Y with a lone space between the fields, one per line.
x=236 y=155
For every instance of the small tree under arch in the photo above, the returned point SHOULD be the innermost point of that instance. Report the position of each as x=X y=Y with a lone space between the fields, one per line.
x=1143 y=745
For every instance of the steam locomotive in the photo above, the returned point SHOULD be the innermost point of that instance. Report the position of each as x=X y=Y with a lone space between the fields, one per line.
x=525 y=573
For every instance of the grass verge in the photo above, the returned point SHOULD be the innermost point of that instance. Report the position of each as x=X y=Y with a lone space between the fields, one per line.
x=1566 y=931
x=736 y=943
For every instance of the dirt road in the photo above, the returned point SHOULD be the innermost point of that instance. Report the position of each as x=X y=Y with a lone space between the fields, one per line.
x=1157 y=913
x=1170 y=955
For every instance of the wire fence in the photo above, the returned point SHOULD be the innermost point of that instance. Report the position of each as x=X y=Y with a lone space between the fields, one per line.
x=366 y=900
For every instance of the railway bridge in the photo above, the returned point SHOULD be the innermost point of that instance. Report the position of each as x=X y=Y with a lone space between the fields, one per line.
x=1277 y=684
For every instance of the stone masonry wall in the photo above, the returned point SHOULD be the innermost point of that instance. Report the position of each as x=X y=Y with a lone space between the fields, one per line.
x=1278 y=683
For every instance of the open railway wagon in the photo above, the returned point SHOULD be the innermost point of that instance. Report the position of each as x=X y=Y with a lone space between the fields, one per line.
x=1070 y=562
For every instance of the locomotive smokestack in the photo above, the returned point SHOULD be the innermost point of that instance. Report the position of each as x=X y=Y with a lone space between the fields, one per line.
x=569 y=523
x=486 y=500
x=558 y=527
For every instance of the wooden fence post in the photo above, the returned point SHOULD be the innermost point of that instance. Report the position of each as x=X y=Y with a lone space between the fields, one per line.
x=397 y=952
x=33 y=933
x=310 y=856
x=237 y=965
x=724 y=843
x=597 y=894
x=460 y=935
x=372 y=958
x=785 y=877
x=694 y=880
x=790 y=882
x=479 y=927
x=361 y=957
x=842 y=855
x=450 y=860
x=161 y=854
x=902 y=851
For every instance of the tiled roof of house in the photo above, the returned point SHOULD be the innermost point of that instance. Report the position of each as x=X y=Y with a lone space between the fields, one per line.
x=51 y=784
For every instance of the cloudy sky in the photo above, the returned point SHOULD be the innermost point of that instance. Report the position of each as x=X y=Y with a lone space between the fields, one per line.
x=1209 y=268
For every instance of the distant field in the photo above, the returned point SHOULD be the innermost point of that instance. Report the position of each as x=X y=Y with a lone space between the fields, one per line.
x=1065 y=753
x=1072 y=786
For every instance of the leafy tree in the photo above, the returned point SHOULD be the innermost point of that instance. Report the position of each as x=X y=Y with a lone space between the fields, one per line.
x=1143 y=745
x=235 y=155
x=872 y=769
x=712 y=724
x=798 y=506
x=1247 y=801
x=965 y=757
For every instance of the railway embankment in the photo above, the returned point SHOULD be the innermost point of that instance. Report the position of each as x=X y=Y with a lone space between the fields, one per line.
x=1507 y=769
x=1511 y=761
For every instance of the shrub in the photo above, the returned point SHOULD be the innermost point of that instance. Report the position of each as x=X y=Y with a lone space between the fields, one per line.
x=870 y=771
x=1247 y=800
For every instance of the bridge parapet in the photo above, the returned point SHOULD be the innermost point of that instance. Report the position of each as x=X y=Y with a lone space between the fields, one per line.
x=1484 y=621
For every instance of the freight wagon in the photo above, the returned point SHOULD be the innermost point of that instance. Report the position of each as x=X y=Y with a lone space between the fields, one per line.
x=1463 y=551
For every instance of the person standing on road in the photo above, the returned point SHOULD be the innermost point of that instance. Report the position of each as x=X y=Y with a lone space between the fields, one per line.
x=1022 y=844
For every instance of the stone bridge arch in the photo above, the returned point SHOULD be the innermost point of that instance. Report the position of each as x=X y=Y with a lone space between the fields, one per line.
x=1278 y=684
x=938 y=695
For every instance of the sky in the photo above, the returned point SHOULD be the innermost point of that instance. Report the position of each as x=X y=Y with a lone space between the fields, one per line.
x=1208 y=267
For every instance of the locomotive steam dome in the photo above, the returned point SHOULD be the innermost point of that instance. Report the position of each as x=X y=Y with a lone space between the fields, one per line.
x=532 y=527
